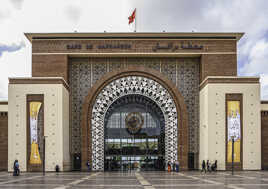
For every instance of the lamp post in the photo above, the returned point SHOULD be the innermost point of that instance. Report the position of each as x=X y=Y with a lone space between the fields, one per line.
x=232 y=137
x=44 y=154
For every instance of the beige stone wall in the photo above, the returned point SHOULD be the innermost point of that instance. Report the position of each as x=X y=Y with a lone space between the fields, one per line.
x=203 y=152
x=3 y=107
x=212 y=125
x=65 y=130
x=264 y=107
x=55 y=114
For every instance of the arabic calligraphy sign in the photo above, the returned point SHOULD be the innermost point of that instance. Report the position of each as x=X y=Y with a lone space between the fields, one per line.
x=173 y=47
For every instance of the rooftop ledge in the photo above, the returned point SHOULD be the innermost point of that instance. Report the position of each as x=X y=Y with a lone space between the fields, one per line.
x=264 y=102
x=137 y=35
x=228 y=79
x=38 y=80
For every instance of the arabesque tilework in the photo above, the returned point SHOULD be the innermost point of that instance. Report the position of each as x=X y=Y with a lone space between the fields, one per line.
x=184 y=72
x=133 y=85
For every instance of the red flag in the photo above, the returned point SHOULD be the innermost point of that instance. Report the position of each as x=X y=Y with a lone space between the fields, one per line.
x=132 y=17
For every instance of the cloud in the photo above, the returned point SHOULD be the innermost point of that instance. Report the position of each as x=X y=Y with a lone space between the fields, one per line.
x=14 y=64
x=264 y=86
x=3 y=91
x=256 y=64
x=73 y=12
x=17 y=3
x=215 y=16
x=247 y=16
x=170 y=15
x=11 y=48
x=4 y=14
x=257 y=59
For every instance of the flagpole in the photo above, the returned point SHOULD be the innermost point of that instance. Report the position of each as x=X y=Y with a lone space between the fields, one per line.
x=136 y=21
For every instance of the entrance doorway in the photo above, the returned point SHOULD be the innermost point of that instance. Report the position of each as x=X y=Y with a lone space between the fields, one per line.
x=134 y=135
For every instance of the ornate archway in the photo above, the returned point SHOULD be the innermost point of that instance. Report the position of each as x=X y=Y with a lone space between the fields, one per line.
x=134 y=80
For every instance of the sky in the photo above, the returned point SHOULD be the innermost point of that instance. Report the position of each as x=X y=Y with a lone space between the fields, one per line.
x=21 y=16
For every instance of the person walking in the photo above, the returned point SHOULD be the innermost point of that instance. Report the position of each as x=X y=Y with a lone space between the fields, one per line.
x=57 y=169
x=177 y=166
x=208 y=166
x=16 y=168
x=204 y=166
x=169 y=167
x=88 y=166
x=214 y=166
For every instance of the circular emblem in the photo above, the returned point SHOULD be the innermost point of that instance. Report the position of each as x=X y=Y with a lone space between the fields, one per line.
x=134 y=122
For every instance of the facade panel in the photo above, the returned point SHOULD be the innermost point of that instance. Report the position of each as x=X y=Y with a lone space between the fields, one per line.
x=189 y=78
x=183 y=72
x=216 y=123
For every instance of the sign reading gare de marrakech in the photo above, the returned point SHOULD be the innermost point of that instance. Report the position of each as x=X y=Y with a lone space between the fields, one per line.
x=124 y=101
x=169 y=47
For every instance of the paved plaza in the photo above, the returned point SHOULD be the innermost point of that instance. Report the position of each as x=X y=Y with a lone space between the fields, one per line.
x=131 y=180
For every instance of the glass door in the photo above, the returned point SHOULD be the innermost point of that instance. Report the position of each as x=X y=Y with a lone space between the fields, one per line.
x=134 y=136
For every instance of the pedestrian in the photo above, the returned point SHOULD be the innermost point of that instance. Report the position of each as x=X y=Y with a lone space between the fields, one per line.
x=208 y=166
x=138 y=167
x=88 y=166
x=169 y=167
x=174 y=166
x=16 y=168
x=57 y=169
x=177 y=166
x=214 y=166
x=204 y=166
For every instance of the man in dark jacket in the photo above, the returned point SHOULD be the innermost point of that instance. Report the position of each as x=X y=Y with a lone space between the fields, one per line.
x=204 y=166
x=214 y=166
x=16 y=168
x=88 y=166
x=208 y=166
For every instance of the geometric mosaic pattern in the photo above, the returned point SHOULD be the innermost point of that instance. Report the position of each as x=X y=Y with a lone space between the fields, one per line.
x=80 y=83
x=184 y=72
x=188 y=85
x=126 y=86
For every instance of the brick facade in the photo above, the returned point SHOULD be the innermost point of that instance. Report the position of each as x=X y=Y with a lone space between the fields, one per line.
x=50 y=66
x=53 y=56
x=218 y=65
x=264 y=139
x=218 y=58
x=3 y=140
x=132 y=46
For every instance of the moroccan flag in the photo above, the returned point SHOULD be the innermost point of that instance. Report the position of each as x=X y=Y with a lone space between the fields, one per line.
x=132 y=17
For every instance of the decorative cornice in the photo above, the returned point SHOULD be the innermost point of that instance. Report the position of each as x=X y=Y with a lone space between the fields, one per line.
x=116 y=54
x=3 y=102
x=39 y=80
x=136 y=35
x=228 y=79
x=264 y=102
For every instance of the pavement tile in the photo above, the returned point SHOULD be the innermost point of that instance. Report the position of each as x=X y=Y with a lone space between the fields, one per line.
x=130 y=180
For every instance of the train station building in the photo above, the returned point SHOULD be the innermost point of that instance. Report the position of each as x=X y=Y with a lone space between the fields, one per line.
x=127 y=101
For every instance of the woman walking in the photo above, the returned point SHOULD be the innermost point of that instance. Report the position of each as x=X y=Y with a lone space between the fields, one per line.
x=169 y=167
